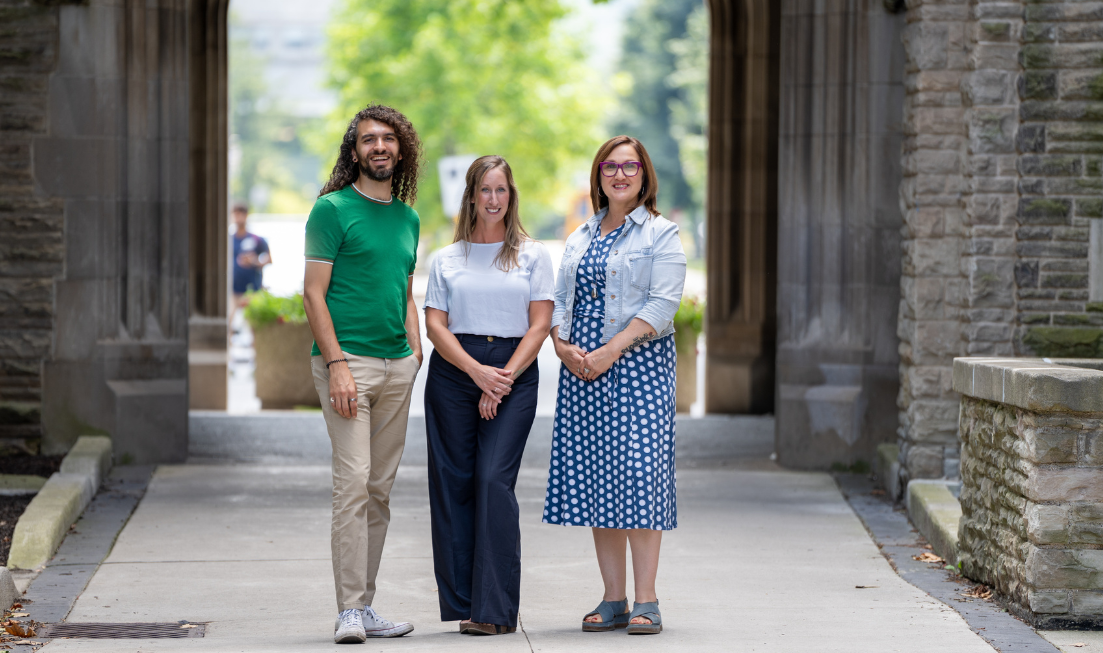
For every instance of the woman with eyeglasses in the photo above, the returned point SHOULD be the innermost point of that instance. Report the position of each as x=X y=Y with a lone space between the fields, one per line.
x=612 y=461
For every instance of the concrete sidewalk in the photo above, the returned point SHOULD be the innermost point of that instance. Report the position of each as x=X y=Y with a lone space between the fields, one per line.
x=763 y=560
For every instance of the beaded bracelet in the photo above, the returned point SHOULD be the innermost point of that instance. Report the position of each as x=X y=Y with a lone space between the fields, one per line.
x=339 y=360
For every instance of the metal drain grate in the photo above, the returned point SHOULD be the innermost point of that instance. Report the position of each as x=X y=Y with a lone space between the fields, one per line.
x=170 y=630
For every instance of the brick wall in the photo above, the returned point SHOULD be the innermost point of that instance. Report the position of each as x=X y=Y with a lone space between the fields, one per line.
x=31 y=239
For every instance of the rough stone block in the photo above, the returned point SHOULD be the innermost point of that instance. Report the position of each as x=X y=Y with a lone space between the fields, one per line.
x=1093 y=449
x=1044 y=210
x=924 y=461
x=1047 y=524
x=1065 y=484
x=988 y=87
x=1065 y=568
x=1087 y=603
x=1050 y=444
x=1049 y=601
x=926 y=44
x=993 y=130
x=1031 y=138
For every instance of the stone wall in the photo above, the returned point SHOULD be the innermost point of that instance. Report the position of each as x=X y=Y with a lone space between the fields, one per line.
x=932 y=194
x=94 y=225
x=1032 y=486
x=31 y=225
x=1002 y=179
x=1061 y=164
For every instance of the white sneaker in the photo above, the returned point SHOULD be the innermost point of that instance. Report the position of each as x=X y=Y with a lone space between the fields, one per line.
x=376 y=626
x=349 y=628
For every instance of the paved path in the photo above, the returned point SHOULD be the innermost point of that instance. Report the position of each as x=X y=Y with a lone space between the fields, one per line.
x=763 y=560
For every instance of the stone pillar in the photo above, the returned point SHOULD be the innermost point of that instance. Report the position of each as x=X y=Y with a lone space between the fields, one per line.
x=741 y=206
x=932 y=194
x=1032 y=485
x=115 y=155
x=208 y=287
x=842 y=95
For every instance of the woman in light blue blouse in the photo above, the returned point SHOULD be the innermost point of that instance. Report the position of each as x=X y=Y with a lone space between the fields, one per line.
x=487 y=311
x=612 y=463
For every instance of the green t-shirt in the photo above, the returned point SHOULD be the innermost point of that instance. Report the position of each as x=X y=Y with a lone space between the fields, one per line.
x=373 y=250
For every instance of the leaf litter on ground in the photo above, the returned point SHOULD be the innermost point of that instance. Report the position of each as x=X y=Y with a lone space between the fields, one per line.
x=927 y=556
x=978 y=592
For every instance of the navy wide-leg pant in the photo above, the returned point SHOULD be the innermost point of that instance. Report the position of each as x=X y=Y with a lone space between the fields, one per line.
x=473 y=465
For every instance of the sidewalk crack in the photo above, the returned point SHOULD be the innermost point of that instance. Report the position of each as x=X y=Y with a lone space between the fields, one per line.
x=525 y=633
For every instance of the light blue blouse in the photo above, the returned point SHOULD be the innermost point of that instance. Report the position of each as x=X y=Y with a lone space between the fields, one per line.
x=482 y=300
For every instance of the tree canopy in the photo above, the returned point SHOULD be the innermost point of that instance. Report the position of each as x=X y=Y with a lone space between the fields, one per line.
x=665 y=57
x=270 y=166
x=475 y=77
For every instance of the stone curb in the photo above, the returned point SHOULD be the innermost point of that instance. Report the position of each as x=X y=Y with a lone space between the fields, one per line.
x=8 y=593
x=936 y=512
x=20 y=483
x=887 y=468
x=59 y=503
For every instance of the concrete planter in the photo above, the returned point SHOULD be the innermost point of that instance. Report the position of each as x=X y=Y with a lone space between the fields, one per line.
x=283 y=375
x=1032 y=485
x=686 y=343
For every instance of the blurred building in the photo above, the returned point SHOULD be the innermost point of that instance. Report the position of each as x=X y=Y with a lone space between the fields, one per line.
x=888 y=189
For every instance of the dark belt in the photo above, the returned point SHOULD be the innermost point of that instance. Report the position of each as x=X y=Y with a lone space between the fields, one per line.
x=474 y=340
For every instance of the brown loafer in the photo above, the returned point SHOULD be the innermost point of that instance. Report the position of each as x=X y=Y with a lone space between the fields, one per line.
x=474 y=628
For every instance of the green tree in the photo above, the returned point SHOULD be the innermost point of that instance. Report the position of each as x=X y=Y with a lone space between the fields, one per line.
x=474 y=77
x=665 y=60
x=689 y=109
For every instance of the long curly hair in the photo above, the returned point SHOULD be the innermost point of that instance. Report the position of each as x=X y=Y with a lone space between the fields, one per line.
x=516 y=236
x=404 y=181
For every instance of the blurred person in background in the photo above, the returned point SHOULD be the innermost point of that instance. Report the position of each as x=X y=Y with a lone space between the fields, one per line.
x=612 y=461
x=251 y=254
x=488 y=308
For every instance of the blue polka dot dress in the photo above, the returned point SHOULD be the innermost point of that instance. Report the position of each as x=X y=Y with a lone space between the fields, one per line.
x=612 y=460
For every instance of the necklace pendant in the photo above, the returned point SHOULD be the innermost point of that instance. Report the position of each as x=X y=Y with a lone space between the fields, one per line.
x=593 y=293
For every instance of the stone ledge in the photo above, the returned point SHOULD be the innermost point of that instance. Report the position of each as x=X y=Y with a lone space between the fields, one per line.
x=935 y=511
x=59 y=503
x=1036 y=384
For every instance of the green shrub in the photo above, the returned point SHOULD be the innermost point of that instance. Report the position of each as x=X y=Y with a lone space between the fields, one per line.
x=690 y=316
x=264 y=308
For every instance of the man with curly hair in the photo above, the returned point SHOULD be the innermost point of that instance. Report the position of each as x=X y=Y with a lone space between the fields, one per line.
x=361 y=248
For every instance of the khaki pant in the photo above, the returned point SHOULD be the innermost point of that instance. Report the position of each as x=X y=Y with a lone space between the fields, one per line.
x=366 y=451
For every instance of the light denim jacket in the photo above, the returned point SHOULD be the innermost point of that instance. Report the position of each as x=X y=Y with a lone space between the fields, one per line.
x=644 y=278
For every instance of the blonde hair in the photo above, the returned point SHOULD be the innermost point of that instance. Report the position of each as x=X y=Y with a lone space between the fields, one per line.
x=516 y=236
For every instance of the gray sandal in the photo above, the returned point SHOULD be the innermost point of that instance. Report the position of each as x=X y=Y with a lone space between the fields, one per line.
x=647 y=611
x=614 y=614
